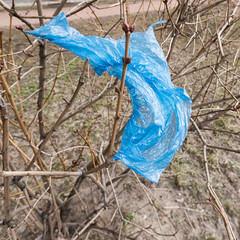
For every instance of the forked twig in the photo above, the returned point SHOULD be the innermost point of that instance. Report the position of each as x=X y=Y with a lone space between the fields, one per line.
x=58 y=122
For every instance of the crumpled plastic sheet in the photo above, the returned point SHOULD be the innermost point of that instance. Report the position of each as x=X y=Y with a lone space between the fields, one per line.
x=161 y=112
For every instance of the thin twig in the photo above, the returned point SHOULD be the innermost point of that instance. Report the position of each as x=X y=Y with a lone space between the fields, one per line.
x=88 y=224
x=15 y=14
x=5 y=159
x=230 y=232
x=88 y=103
x=19 y=119
x=120 y=96
x=58 y=122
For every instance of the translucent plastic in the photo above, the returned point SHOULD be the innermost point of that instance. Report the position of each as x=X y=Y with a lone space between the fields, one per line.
x=161 y=112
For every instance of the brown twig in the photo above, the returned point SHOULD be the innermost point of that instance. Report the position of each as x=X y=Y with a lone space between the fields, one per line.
x=56 y=150
x=9 y=47
x=86 y=140
x=81 y=8
x=44 y=102
x=88 y=224
x=93 y=12
x=56 y=209
x=42 y=75
x=58 y=122
x=196 y=106
x=19 y=119
x=88 y=103
x=15 y=14
x=120 y=96
x=5 y=160
x=40 y=173
x=60 y=7
x=220 y=208
x=21 y=192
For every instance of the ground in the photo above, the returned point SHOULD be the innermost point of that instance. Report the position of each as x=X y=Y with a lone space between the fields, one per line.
x=178 y=207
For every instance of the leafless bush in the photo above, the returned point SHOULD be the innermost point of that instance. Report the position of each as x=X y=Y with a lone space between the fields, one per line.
x=60 y=127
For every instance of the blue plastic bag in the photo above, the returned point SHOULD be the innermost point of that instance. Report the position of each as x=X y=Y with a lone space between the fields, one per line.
x=161 y=112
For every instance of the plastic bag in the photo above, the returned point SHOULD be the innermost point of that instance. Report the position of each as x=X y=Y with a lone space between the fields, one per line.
x=161 y=112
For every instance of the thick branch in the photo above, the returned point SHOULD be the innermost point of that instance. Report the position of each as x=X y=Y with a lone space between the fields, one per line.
x=5 y=159
x=120 y=96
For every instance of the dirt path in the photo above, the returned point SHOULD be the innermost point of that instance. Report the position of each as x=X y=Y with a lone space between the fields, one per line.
x=86 y=13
